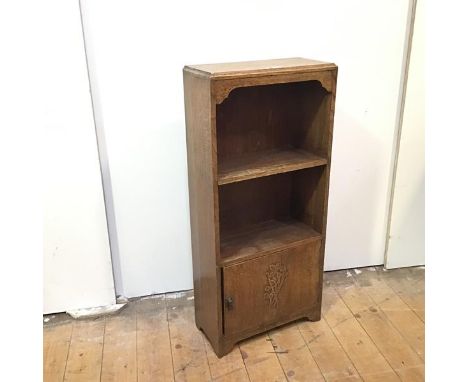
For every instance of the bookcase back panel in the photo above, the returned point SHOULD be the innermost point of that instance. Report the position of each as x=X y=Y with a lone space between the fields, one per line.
x=244 y=204
x=272 y=117
x=297 y=195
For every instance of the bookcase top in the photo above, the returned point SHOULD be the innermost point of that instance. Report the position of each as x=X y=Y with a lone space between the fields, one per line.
x=233 y=69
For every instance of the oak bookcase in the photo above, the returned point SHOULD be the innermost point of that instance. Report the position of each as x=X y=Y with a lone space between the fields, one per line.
x=259 y=137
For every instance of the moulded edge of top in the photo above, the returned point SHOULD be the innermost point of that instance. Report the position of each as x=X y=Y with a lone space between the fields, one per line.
x=261 y=67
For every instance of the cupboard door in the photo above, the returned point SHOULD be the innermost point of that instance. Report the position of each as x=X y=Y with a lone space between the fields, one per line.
x=275 y=288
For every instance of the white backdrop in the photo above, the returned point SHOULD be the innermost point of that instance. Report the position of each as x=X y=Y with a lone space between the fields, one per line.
x=406 y=234
x=137 y=50
x=77 y=259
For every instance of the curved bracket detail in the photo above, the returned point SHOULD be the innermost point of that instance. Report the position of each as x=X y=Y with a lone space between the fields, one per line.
x=327 y=84
x=223 y=91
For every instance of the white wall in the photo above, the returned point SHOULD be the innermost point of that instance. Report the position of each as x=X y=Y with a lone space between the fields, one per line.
x=77 y=262
x=406 y=234
x=137 y=50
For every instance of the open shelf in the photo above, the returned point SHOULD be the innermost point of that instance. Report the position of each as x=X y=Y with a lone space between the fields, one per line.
x=271 y=129
x=267 y=214
x=266 y=163
x=264 y=237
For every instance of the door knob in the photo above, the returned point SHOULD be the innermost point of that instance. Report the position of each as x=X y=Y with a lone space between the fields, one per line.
x=229 y=303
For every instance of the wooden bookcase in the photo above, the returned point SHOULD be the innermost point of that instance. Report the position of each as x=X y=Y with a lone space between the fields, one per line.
x=259 y=137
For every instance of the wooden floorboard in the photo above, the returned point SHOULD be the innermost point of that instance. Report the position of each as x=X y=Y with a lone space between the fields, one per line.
x=189 y=357
x=84 y=363
x=330 y=356
x=56 y=345
x=119 y=357
x=391 y=344
x=154 y=355
x=408 y=284
x=295 y=358
x=228 y=368
x=360 y=348
x=260 y=360
x=372 y=329
x=403 y=318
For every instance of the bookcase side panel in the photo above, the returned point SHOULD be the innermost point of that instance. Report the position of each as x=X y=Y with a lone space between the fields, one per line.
x=203 y=201
x=325 y=181
x=328 y=132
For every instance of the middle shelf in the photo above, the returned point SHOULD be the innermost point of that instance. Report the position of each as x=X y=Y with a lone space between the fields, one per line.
x=264 y=163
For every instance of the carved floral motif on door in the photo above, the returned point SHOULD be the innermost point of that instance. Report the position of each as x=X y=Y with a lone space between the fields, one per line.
x=275 y=274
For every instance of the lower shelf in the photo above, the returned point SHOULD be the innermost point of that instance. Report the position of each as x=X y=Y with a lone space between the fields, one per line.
x=269 y=236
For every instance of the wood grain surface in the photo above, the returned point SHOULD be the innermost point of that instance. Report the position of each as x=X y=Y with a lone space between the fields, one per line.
x=266 y=163
x=259 y=139
x=159 y=332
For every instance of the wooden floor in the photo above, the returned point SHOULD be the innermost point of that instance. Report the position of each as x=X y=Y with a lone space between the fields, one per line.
x=372 y=329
